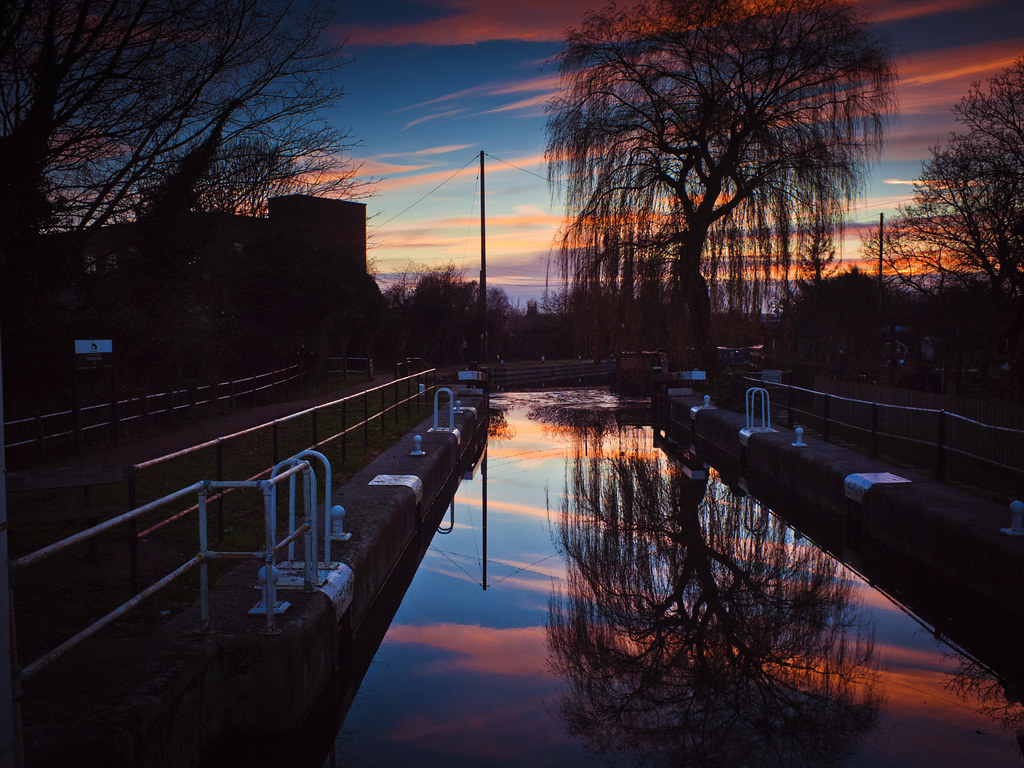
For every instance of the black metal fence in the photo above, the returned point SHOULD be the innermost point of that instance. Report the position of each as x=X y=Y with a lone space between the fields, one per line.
x=64 y=431
x=929 y=437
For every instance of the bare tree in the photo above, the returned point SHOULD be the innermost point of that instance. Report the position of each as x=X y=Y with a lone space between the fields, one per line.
x=965 y=224
x=115 y=110
x=100 y=100
x=961 y=237
x=680 y=122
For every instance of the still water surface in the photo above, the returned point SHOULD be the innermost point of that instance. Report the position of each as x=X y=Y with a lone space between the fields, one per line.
x=634 y=616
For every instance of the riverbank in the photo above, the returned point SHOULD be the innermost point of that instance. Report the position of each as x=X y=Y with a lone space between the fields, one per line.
x=166 y=699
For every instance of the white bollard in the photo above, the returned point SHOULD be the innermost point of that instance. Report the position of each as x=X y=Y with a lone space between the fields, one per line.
x=262 y=575
x=338 y=524
x=1016 y=520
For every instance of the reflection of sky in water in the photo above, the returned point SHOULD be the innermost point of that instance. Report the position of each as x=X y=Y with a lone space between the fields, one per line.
x=463 y=677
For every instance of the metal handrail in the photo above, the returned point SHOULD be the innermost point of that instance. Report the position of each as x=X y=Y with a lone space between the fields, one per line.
x=202 y=488
x=308 y=528
x=940 y=444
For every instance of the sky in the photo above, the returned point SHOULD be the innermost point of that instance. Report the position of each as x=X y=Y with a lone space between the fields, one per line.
x=432 y=83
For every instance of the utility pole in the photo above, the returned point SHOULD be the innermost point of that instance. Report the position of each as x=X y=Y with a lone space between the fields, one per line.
x=483 y=269
x=881 y=228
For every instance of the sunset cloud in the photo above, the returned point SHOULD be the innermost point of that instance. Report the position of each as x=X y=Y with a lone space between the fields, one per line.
x=936 y=80
x=468 y=22
x=426 y=151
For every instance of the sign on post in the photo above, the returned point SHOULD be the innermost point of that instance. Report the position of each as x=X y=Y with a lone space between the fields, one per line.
x=93 y=353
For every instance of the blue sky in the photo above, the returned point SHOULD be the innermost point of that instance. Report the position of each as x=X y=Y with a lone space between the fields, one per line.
x=435 y=82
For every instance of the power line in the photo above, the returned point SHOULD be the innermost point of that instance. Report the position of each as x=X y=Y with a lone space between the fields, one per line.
x=524 y=170
x=405 y=210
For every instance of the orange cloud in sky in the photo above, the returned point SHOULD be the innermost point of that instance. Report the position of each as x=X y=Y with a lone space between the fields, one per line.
x=427 y=151
x=887 y=11
x=466 y=22
x=936 y=80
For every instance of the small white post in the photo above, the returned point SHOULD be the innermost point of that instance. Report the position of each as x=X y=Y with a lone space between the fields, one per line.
x=338 y=524
x=1016 y=520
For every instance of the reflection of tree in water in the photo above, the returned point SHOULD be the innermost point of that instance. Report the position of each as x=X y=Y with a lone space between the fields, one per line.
x=688 y=639
x=584 y=418
x=498 y=427
x=992 y=696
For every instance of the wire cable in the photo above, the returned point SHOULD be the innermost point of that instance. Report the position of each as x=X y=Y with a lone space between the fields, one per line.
x=428 y=194
x=524 y=170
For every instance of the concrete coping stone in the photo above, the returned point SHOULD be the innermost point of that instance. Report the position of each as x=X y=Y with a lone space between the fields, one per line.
x=746 y=432
x=409 y=481
x=856 y=485
x=338 y=587
x=453 y=431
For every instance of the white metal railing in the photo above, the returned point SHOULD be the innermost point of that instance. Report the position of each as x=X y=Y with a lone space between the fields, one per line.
x=211 y=490
x=307 y=528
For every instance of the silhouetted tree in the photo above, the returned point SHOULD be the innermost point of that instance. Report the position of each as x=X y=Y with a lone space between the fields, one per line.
x=820 y=317
x=435 y=314
x=682 y=122
x=115 y=110
x=964 y=228
x=695 y=629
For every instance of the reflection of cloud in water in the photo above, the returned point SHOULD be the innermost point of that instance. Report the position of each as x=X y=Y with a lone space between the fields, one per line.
x=515 y=651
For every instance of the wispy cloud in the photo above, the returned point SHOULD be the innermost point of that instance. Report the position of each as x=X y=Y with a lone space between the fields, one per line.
x=935 y=80
x=468 y=22
x=532 y=105
x=447 y=114
x=428 y=151
x=886 y=11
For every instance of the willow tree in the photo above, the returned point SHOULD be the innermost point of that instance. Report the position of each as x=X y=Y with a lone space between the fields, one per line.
x=686 y=123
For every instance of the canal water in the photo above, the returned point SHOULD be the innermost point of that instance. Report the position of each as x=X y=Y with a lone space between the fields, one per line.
x=592 y=605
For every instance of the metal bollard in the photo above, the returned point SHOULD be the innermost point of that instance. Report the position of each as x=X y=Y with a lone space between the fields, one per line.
x=799 y=438
x=338 y=524
x=417 y=443
x=1016 y=520
x=261 y=577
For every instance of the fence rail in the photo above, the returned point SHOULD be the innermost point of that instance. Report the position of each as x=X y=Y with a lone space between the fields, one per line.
x=541 y=373
x=44 y=431
x=940 y=433
x=329 y=427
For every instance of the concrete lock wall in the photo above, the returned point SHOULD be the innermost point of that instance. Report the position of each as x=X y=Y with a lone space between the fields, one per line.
x=164 y=699
x=947 y=534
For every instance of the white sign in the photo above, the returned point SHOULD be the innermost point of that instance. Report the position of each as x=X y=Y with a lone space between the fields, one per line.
x=93 y=353
x=94 y=347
